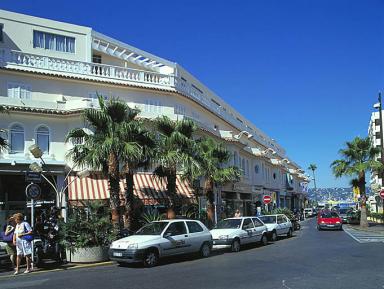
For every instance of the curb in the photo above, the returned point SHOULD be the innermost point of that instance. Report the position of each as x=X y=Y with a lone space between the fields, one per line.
x=64 y=268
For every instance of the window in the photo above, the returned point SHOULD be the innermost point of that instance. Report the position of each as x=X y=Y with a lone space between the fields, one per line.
x=257 y=169
x=257 y=222
x=16 y=141
x=180 y=109
x=42 y=138
x=152 y=106
x=247 y=168
x=176 y=228
x=96 y=58
x=243 y=166
x=194 y=227
x=18 y=90
x=53 y=42
x=1 y=32
x=247 y=224
x=280 y=220
x=235 y=159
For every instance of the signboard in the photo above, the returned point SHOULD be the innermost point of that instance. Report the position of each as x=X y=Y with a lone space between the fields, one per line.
x=33 y=177
x=381 y=194
x=33 y=191
x=267 y=199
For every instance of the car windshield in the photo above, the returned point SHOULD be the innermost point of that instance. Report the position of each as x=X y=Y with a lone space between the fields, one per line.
x=229 y=224
x=329 y=215
x=155 y=228
x=343 y=211
x=268 y=219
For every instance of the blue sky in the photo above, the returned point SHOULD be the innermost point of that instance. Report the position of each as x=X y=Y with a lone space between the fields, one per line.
x=306 y=72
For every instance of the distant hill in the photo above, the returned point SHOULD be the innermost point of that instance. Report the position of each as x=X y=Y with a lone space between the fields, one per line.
x=336 y=194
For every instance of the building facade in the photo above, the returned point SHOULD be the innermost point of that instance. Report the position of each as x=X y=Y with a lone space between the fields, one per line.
x=51 y=71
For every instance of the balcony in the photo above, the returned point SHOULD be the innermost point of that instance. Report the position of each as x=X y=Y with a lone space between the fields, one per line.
x=48 y=65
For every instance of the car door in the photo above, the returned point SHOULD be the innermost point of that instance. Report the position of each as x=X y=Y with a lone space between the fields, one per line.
x=281 y=230
x=248 y=231
x=176 y=239
x=196 y=236
x=259 y=229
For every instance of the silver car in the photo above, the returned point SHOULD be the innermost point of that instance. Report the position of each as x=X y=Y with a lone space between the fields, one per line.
x=160 y=239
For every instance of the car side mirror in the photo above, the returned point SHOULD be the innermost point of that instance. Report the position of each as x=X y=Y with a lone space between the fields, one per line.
x=167 y=234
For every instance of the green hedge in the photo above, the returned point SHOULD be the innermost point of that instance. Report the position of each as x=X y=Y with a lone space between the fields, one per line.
x=377 y=216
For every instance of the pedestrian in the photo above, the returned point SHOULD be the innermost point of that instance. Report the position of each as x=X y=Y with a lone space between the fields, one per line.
x=237 y=213
x=22 y=242
x=8 y=232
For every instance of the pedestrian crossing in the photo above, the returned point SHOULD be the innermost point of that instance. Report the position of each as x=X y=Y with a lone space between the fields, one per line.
x=364 y=236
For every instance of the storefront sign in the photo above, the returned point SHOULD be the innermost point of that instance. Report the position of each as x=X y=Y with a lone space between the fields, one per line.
x=33 y=177
x=239 y=187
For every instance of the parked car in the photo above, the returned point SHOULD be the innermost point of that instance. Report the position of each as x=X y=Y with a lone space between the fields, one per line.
x=343 y=213
x=309 y=212
x=160 y=239
x=329 y=220
x=5 y=261
x=278 y=225
x=234 y=232
x=353 y=217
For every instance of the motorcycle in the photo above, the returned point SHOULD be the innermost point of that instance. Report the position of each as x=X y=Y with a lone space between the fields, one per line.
x=296 y=223
x=46 y=242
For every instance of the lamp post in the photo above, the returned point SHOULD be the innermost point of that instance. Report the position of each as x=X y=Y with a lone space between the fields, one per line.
x=60 y=192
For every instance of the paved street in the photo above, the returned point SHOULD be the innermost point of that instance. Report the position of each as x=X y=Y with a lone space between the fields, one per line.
x=311 y=259
x=364 y=236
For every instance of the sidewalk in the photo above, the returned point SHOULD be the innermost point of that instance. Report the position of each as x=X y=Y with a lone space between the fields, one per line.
x=375 y=228
x=53 y=266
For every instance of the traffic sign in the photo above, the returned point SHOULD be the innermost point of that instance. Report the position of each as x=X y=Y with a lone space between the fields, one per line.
x=33 y=191
x=382 y=194
x=33 y=177
x=267 y=199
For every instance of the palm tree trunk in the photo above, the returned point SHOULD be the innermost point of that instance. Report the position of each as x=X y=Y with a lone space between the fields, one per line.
x=114 y=184
x=363 y=215
x=210 y=202
x=129 y=199
x=171 y=189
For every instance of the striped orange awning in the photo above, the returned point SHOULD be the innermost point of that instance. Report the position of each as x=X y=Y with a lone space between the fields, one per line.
x=148 y=188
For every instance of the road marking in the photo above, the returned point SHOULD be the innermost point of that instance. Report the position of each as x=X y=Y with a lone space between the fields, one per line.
x=364 y=237
x=285 y=285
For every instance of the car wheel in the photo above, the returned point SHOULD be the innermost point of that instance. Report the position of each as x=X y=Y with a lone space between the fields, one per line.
x=235 y=247
x=205 y=250
x=264 y=240
x=151 y=258
x=289 y=234
x=274 y=236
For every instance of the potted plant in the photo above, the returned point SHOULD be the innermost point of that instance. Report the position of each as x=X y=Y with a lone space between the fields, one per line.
x=87 y=233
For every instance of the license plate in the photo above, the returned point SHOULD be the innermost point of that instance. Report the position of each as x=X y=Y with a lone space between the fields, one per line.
x=117 y=254
x=330 y=225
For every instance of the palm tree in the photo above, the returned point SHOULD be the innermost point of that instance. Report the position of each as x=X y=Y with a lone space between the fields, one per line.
x=313 y=168
x=103 y=149
x=358 y=157
x=173 y=152
x=212 y=158
x=134 y=134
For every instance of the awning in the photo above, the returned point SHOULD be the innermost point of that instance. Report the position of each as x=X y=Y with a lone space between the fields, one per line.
x=149 y=189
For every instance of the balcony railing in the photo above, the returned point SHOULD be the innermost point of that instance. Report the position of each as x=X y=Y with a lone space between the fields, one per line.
x=87 y=70
x=9 y=58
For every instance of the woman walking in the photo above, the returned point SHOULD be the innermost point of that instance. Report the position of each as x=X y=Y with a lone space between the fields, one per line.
x=9 y=230
x=23 y=245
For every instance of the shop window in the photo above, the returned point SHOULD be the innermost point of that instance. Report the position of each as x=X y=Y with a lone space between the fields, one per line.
x=16 y=141
x=42 y=138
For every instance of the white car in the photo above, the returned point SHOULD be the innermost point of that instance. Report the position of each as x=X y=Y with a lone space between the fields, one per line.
x=160 y=239
x=234 y=232
x=278 y=225
x=309 y=212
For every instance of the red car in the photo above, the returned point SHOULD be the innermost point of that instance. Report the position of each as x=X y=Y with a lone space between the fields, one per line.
x=329 y=220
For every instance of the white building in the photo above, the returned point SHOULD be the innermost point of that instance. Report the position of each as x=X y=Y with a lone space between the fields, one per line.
x=375 y=180
x=51 y=71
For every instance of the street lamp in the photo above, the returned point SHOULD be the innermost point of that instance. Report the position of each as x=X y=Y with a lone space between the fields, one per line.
x=60 y=192
x=238 y=136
